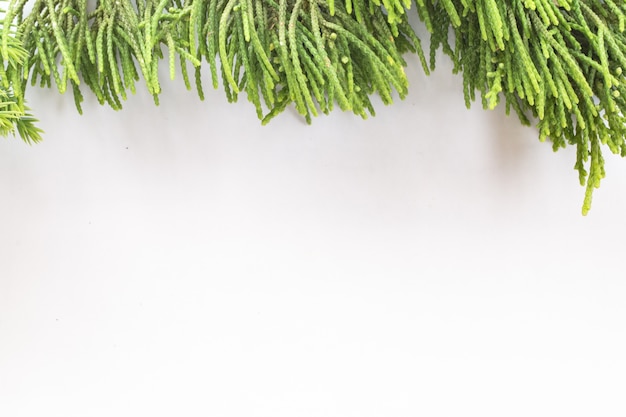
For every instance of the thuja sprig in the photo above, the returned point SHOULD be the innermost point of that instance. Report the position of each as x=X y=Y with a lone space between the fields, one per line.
x=558 y=62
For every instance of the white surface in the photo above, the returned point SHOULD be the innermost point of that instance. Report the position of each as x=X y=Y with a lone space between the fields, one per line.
x=185 y=261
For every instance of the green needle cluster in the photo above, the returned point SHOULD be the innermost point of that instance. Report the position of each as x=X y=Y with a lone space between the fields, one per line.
x=557 y=63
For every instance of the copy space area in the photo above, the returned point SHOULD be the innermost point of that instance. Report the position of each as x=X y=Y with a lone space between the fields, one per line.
x=184 y=260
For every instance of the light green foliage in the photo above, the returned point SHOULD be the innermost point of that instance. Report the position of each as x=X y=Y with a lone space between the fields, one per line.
x=14 y=113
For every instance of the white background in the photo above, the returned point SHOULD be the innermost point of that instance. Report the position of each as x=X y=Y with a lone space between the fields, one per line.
x=186 y=261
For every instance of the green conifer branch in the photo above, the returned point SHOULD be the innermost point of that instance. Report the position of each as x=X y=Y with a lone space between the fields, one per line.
x=560 y=63
x=262 y=48
x=557 y=63
x=14 y=114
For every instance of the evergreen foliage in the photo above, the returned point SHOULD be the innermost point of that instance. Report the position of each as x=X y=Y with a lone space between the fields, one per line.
x=559 y=63
x=13 y=110
x=307 y=52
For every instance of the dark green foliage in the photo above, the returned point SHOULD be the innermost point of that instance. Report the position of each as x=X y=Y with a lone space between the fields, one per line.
x=559 y=62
